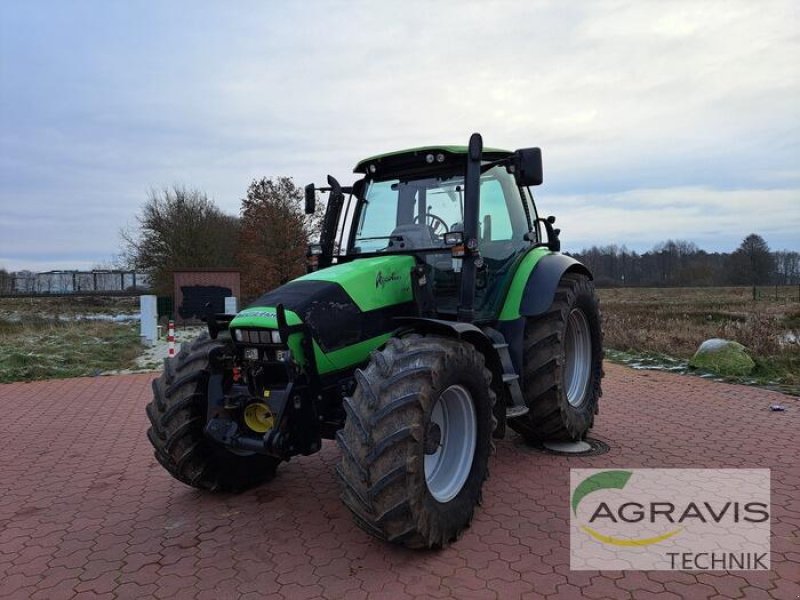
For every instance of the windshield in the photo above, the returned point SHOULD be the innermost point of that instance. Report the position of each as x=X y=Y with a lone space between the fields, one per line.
x=414 y=214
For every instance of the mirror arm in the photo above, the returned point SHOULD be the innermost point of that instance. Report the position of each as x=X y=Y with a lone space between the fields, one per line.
x=507 y=160
x=553 y=242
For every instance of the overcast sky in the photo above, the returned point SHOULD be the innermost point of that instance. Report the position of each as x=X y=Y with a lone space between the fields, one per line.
x=656 y=119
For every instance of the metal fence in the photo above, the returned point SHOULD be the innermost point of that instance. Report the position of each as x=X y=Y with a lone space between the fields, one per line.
x=26 y=283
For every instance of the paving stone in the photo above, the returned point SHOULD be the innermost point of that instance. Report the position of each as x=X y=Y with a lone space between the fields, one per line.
x=94 y=516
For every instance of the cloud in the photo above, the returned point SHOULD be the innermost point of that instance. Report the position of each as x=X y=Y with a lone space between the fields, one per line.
x=99 y=102
x=716 y=220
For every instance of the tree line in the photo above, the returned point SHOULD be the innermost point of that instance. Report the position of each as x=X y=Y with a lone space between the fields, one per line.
x=681 y=263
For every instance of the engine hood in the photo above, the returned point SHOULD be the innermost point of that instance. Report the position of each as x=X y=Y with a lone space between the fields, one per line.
x=343 y=304
x=369 y=282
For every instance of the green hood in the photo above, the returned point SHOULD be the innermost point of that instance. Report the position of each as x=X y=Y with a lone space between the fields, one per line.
x=349 y=308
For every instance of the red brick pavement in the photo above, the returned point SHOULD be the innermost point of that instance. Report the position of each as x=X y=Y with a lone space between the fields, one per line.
x=86 y=512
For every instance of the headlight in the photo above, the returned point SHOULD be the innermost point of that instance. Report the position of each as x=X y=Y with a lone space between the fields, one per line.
x=251 y=353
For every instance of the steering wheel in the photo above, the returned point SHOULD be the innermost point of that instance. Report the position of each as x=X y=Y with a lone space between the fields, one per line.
x=437 y=224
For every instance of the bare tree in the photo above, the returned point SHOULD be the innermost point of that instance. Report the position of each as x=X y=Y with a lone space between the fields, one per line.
x=752 y=262
x=787 y=267
x=180 y=229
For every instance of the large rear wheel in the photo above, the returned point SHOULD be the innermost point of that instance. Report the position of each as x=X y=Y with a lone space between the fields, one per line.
x=177 y=416
x=563 y=365
x=416 y=442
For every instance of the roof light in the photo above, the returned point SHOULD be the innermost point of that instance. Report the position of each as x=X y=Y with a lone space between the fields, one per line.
x=372 y=168
x=440 y=157
x=429 y=159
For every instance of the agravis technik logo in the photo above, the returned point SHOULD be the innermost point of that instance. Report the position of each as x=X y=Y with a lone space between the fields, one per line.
x=614 y=480
x=687 y=519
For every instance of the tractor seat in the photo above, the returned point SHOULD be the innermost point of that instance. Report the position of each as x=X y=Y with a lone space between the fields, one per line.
x=414 y=236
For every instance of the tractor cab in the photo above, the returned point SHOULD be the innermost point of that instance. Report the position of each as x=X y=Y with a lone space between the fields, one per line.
x=415 y=202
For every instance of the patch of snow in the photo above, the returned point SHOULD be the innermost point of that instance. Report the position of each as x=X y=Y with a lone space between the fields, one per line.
x=17 y=317
x=712 y=345
x=118 y=318
x=153 y=357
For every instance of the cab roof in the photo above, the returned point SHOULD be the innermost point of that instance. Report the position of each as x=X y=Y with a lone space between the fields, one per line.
x=414 y=159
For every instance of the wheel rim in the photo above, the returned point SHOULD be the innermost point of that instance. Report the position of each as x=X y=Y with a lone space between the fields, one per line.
x=578 y=357
x=450 y=443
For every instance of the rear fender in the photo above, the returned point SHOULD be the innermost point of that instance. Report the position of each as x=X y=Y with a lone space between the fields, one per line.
x=540 y=290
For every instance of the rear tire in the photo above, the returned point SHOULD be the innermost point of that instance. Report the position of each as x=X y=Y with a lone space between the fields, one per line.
x=563 y=365
x=416 y=442
x=177 y=416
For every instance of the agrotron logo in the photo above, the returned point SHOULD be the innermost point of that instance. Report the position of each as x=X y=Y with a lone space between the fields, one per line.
x=670 y=519
x=381 y=279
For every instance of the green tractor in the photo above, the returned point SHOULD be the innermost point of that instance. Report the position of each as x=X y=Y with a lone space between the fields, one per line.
x=435 y=314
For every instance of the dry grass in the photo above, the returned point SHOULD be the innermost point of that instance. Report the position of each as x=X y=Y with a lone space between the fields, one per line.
x=675 y=321
x=68 y=305
x=44 y=338
x=36 y=343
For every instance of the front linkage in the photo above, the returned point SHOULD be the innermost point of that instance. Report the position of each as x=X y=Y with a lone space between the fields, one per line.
x=261 y=401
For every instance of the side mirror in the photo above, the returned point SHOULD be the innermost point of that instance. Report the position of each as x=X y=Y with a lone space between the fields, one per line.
x=528 y=166
x=311 y=199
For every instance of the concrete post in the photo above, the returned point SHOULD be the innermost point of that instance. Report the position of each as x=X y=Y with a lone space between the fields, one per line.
x=148 y=319
x=231 y=305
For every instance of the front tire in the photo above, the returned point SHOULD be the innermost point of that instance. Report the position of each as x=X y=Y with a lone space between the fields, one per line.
x=563 y=365
x=416 y=442
x=177 y=416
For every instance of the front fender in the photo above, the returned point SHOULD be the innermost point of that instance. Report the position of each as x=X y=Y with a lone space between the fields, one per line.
x=472 y=335
x=455 y=329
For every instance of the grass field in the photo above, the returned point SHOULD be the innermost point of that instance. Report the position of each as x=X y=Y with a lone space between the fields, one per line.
x=44 y=338
x=663 y=324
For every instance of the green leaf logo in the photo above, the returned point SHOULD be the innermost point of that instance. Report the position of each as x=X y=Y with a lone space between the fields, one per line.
x=611 y=480
x=599 y=481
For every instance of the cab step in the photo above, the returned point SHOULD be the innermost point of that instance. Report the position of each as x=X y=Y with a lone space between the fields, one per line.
x=515 y=408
